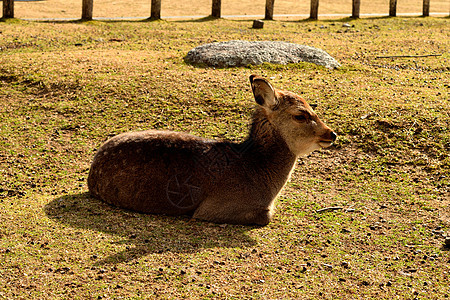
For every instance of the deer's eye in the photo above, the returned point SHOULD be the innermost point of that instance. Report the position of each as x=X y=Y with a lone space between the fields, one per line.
x=300 y=118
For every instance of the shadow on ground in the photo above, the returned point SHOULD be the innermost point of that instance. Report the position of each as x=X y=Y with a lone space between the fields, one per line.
x=148 y=233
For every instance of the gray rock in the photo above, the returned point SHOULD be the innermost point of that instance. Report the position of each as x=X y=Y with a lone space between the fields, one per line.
x=447 y=242
x=258 y=24
x=243 y=53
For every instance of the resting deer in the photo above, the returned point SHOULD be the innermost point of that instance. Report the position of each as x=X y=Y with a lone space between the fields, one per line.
x=174 y=173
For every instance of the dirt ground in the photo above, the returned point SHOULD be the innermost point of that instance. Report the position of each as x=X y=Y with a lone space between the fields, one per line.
x=65 y=87
x=141 y=8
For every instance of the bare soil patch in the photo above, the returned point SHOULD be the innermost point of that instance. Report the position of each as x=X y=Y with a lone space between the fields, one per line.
x=141 y=8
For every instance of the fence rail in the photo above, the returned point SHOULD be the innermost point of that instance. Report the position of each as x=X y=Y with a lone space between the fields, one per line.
x=155 y=11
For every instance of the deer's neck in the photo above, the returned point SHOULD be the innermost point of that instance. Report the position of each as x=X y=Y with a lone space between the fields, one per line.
x=268 y=152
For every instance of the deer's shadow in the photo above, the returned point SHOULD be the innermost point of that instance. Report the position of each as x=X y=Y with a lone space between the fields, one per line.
x=148 y=233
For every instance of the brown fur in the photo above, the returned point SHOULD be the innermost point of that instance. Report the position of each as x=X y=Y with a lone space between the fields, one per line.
x=165 y=172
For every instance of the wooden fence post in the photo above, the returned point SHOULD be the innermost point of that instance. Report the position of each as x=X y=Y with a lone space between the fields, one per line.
x=155 y=13
x=269 y=9
x=392 y=8
x=355 y=8
x=8 y=9
x=426 y=8
x=216 y=8
x=87 y=9
x=314 y=9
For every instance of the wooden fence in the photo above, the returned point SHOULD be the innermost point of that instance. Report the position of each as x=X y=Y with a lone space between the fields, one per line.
x=155 y=13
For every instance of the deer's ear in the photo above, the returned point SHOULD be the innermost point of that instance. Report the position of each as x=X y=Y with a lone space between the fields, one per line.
x=263 y=91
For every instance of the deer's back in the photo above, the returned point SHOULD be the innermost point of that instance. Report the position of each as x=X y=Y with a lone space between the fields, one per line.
x=151 y=171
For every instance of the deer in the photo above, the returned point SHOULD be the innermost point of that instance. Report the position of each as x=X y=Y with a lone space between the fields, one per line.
x=176 y=173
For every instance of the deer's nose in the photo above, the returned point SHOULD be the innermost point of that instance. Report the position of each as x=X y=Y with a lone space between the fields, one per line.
x=333 y=136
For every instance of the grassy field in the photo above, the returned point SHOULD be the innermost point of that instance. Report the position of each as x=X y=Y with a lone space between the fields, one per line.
x=66 y=87
x=141 y=8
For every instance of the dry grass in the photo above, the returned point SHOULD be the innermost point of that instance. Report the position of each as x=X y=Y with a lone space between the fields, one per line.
x=141 y=8
x=65 y=87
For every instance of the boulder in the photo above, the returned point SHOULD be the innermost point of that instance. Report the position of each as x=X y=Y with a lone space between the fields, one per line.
x=243 y=53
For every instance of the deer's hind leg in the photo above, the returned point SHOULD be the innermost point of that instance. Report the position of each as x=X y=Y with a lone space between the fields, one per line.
x=246 y=215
